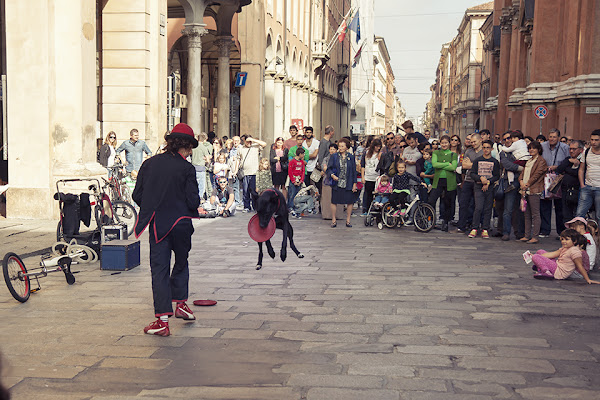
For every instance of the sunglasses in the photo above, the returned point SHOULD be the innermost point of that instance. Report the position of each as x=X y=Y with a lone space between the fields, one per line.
x=112 y=137
x=402 y=147
x=454 y=139
x=435 y=143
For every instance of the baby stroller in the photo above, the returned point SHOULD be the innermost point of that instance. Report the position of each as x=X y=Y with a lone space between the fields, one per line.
x=374 y=213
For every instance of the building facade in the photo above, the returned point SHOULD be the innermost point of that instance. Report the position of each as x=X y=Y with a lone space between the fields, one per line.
x=362 y=73
x=116 y=65
x=381 y=59
x=543 y=54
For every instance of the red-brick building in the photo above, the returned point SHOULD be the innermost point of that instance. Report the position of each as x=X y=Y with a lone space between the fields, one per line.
x=542 y=53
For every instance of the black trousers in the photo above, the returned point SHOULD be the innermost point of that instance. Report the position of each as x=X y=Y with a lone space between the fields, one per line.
x=368 y=195
x=449 y=197
x=398 y=199
x=167 y=285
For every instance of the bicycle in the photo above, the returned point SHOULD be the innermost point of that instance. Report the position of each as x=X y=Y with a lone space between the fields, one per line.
x=18 y=279
x=116 y=185
x=424 y=214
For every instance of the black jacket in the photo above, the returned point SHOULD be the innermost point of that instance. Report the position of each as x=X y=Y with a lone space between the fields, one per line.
x=284 y=160
x=166 y=191
x=103 y=155
x=571 y=177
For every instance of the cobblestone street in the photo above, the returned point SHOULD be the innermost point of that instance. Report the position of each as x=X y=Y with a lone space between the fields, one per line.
x=367 y=315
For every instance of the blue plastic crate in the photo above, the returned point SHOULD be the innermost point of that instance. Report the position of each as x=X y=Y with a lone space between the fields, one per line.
x=120 y=255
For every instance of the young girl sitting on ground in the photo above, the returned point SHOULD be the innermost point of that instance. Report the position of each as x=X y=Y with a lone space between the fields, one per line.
x=568 y=259
x=580 y=225
x=383 y=190
x=263 y=177
x=401 y=187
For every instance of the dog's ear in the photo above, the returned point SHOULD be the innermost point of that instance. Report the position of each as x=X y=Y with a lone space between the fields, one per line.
x=254 y=195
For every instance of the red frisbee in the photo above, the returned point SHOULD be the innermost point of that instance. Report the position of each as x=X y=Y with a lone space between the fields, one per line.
x=204 y=303
x=259 y=234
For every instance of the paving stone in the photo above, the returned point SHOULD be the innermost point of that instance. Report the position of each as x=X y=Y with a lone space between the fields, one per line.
x=445 y=396
x=143 y=363
x=493 y=389
x=321 y=337
x=390 y=319
x=351 y=328
x=334 y=318
x=494 y=341
x=339 y=381
x=407 y=384
x=442 y=350
x=577 y=381
x=246 y=334
x=320 y=347
x=417 y=330
x=61 y=372
x=506 y=364
x=224 y=393
x=545 y=393
x=394 y=359
x=546 y=354
x=508 y=378
x=496 y=316
x=318 y=369
x=351 y=394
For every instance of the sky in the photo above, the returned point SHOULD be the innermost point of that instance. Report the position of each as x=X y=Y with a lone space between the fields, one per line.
x=414 y=32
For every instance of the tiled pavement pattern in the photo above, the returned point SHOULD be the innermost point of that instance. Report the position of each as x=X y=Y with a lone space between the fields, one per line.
x=367 y=315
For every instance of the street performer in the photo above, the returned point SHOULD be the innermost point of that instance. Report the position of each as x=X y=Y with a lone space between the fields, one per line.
x=167 y=193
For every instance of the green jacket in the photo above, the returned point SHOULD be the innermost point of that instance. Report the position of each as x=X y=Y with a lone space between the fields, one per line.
x=445 y=163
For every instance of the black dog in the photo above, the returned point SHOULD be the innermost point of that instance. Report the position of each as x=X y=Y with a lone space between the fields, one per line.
x=272 y=203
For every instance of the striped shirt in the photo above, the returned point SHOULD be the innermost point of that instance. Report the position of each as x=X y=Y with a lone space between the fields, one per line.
x=592 y=173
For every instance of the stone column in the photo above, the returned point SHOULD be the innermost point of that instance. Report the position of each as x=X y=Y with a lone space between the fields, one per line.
x=194 y=33
x=224 y=86
x=505 y=57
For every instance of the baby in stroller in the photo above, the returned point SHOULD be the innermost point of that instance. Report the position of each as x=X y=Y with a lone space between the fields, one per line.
x=383 y=188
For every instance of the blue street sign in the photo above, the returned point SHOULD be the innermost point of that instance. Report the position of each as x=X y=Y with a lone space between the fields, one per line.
x=240 y=79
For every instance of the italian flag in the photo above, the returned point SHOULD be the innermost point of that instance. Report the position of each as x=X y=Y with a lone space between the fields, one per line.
x=341 y=32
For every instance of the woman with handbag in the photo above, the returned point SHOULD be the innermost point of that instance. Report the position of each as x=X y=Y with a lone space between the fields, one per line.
x=278 y=158
x=531 y=182
x=342 y=171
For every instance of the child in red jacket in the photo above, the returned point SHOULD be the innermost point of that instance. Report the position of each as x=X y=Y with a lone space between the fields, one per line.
x=296 y=169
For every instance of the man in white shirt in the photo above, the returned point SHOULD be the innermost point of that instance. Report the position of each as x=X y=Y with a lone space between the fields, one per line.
x=249 y=158
x=589 y=178
x=313 y=152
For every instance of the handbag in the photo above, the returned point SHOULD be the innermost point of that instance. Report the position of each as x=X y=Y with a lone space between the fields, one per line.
x=549 y=180
x=571 y=195
x=555 y=185
x=523 y=204
x=499 y=189
x=315 y=175
x=240 y=172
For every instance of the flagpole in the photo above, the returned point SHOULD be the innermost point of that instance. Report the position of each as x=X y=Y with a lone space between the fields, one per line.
x=331 y=44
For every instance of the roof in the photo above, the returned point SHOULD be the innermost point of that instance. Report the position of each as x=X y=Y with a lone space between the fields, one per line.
x=489 y=6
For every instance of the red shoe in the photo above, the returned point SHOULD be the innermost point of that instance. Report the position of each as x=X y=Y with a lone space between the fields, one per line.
x=158 y=328
x=183 y=311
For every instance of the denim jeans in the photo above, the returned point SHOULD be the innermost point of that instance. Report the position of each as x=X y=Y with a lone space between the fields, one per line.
x=249 y=183
x=236 y=191
x=588 y=195
x=483 y=205
x=292 y=191
x=303 y=203
x=201 y=179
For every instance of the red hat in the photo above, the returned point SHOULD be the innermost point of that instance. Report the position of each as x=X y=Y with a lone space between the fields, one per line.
x=259 y=234
x=183 y=131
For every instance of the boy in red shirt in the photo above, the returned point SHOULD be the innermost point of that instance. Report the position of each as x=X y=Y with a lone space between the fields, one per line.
x=296 y=169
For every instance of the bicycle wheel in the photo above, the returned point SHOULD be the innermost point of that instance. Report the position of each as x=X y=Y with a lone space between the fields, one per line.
x=424 y=217
x=125 y=213
x=18 y=285
x=386 y=215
